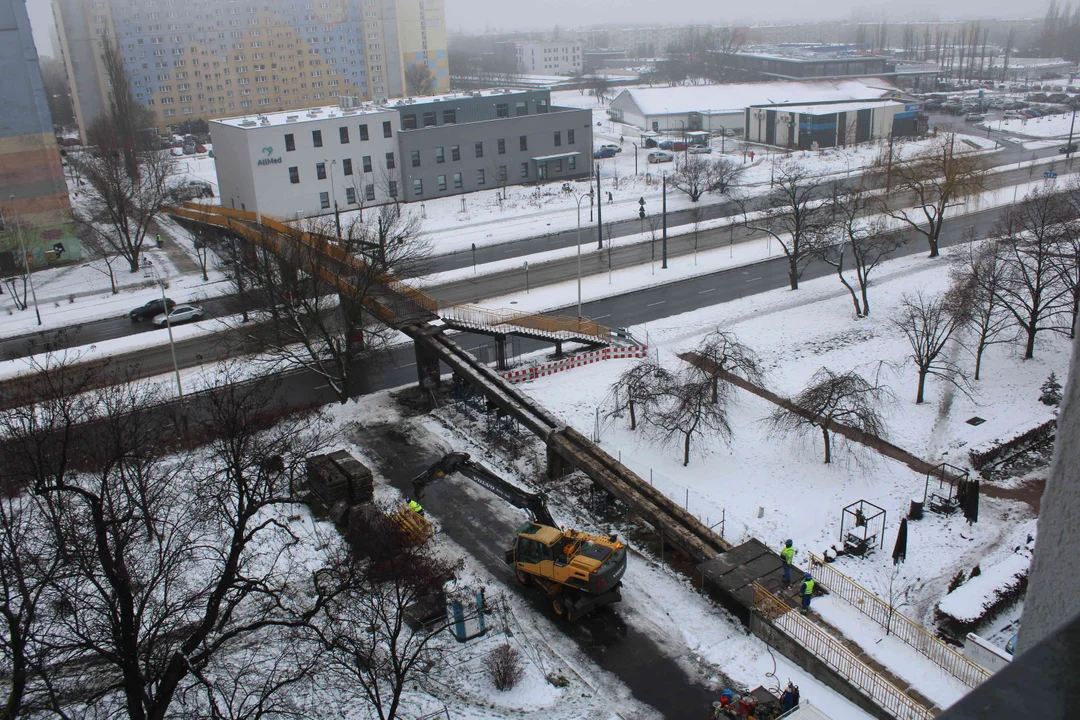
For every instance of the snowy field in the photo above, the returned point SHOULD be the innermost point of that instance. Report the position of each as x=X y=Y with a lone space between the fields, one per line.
x=1047 y=126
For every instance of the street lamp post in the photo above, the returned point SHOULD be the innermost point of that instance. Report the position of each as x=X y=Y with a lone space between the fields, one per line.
x=663 y=264
x=168 y=324
x=1072 y=124
x=333 y=193
x=26 y=260
x=580 y=197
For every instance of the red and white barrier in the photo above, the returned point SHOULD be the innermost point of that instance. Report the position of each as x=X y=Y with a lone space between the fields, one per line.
x=607 y=353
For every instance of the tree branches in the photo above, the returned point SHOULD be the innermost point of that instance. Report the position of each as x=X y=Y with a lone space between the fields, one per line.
x=928 y=322
x=699 y=175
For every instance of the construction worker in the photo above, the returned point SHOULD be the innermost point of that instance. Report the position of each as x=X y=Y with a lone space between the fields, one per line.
x=787 y=554
x=414 y=506
x=807 y=591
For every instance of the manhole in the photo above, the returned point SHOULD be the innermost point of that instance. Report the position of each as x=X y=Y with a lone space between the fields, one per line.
x=976 y=420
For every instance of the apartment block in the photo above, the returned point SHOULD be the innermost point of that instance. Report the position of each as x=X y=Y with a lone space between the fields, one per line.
x=200 y=59
x=35 y=212
x=549 y=58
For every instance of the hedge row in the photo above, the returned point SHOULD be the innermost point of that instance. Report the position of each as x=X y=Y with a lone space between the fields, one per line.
x=1002 y=450
x=954 y=630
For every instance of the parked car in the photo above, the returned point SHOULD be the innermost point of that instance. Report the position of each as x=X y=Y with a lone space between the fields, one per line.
x=666 y=144
x=974 y=117
x=616 y=148
x=180 y=314
x=729 y=132
x=150 y=310
x=649 y=143
x=603 y=152
x=699 y=150
x=191 y=190
x=200 y=148
x=661 y=156
x=1066 y=149
x=680 y=146
x=189 y=149
x=177 y=152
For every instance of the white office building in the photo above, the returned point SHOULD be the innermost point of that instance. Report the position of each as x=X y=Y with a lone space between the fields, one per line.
x=308 y=162
x=549 y=58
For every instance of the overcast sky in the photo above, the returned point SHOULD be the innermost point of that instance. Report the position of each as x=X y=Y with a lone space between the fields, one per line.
x=476 y=15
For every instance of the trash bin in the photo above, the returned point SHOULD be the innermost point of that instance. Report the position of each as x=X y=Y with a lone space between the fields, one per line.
x=916 y=511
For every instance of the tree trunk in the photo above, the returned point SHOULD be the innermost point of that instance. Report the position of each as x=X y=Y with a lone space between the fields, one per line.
x=13 y=707
x=932 y=238
x=865 y=298
x=633 y=416
x=1029 y=347
x=715 y=390
x=978 y=357
x=133 y=263
x=828 y=444
x=922 y=387
x=112 y=278
x=686 y=449
x=793 y=272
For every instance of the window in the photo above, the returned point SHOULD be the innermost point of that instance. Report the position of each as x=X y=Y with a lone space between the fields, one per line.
x=294 y=175
x=541 y=106
x=457 y=181
x=449 y=117
x=523 y=143
x=363 y=133
x=479 y=148
x=569 y=137
x=480 y=176
x=502 y=110
x=290 y=143
x=346 y=166
x=418 y=187
x=392 y=188
x=558 y=165
x=367 y=163
x=502 y=173
x=571 y=163
x=369 y=192
x=343 y=135
x=416 y=158
x=316 y=138
x=521 y=108
x=442 y=183
x=429 y=119
x=389 y=161
x=350 y=195
x=439 y=156
x=455 y=153
x=324 y=200
x=320 y=171
x=502 y=146
x=408 y=122
x=387 y=129
x=525 y=170
x=558 y=138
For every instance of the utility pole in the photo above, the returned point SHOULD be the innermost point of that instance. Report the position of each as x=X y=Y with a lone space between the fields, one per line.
x=663 y=264
x=599 y=212
x=1072 y=123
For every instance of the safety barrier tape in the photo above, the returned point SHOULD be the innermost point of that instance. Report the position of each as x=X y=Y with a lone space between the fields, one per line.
x=587 y=358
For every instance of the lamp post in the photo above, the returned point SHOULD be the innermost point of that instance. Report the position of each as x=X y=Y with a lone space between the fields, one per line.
x=168 y=324
x=663 y=264
x=723 y=138
x=580 y=197
x=26 y=261
x=333 y=194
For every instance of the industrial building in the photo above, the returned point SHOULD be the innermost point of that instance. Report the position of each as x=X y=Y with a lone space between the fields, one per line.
x=35 y=212
x=356 y=154
x=723 y=107
x=831 y=124
x=201 y=59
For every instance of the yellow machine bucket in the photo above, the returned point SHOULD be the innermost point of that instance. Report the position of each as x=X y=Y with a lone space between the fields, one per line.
x=415 y=526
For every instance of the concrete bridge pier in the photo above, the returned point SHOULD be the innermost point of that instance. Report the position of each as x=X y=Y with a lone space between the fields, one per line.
x=427 y=365
x=557 y=466
x=500 y=353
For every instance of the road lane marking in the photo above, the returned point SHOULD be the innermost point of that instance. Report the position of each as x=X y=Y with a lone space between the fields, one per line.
x=752 y=280
x=661 y=302
x=601 y=317
x=706 y=291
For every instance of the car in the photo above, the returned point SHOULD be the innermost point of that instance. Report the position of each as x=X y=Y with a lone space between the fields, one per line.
x=680 y=146
x=666 y=144
x=616 y=148
x=661 y=156
x=177 y=152
x=729 y=132
x=180 y=314
x=199 y=149
x=150 y=310
x=974 y=117
x=604 y=152
x=699 y=150
x=1066 y=149
x=192 y=190
x=649 y=143
x=1010 y=647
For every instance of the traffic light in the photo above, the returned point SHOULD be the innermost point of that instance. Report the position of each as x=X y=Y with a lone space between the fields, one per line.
x=641 y=209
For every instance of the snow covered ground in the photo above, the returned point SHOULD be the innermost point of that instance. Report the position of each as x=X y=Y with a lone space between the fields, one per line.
x=1047 y=126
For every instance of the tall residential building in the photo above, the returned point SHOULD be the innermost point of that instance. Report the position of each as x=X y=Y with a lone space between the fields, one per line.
x=199 y=59
x=549 y=58
x=35 y=212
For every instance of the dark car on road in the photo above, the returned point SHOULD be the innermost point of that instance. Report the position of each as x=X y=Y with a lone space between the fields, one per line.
x=1066 y=149
x=151 y=310
x=604 y=152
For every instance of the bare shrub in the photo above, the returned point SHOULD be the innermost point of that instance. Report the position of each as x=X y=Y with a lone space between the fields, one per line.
x=505 y=667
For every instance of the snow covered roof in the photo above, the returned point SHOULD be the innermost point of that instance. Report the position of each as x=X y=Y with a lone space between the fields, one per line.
x=734 y=97
x=257 y=120
x=830 y=108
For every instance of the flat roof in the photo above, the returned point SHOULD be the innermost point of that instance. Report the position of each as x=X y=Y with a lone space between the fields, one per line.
x=254 y=121
x=830 y=108
x=462 y=95
x=556 y=157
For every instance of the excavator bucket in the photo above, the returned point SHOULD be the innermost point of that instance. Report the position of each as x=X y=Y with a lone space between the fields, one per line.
x=416 y=527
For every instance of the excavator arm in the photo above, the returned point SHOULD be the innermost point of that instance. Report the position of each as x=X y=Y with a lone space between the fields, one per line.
x=534 y=503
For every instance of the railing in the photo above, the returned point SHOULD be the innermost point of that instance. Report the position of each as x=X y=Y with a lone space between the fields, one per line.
x=898 y=624
x=555 y=324
x=833 y=653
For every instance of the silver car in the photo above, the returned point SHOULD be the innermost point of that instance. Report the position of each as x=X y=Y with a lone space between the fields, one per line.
x=180 y=314
x=699 y=150
x=661 y=156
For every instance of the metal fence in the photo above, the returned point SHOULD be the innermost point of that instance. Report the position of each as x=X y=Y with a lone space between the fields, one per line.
x=898 y=624
x=559 y=326
x=833 y=653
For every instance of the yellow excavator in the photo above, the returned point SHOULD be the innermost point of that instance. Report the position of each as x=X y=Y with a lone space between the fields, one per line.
x=577 y=571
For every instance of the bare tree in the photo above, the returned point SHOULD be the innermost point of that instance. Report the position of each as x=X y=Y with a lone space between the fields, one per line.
x=699 y=175
x=794 y=216
x=639 y=389
x=855 y=241
x=419 y=80
x=1067 y=260
x=1030 y=236
x=599 y=87
x=928 y=322
x=94 y=243
x=689 y=410
x=978 y=274
x=832 y=399
x=721 y=353
x=940 y=179
x=504 y=666
x=895 y=590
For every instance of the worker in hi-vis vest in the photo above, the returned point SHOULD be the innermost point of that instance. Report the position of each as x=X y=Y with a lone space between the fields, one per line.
x=787 y=554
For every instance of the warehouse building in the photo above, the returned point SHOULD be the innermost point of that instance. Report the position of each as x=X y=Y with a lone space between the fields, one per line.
x=723 y=107
x=354 y=155
x=822 y=125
